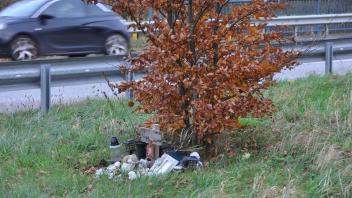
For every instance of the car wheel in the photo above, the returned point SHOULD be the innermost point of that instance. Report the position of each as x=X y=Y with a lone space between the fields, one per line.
x=116 y=44
x=23 y=48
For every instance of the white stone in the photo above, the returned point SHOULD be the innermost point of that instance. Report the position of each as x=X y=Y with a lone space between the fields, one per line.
x=99 y=172
x=132 y=175
x=126 y=167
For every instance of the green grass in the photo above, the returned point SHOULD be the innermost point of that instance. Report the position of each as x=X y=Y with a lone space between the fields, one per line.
x=305 y=150
x=139 y=44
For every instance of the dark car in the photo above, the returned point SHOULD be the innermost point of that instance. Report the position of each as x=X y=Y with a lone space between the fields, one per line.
x=30 y=28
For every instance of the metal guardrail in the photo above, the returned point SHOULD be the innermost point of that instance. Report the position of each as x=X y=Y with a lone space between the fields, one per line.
x=318 y=24
x=298 y=20
x=27 y=72
x=45 y=74
x=311 y=19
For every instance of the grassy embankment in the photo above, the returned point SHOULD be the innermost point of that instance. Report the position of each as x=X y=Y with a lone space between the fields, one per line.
x=305 y=150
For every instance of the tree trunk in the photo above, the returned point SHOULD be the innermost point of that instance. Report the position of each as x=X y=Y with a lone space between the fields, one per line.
x=217 y=11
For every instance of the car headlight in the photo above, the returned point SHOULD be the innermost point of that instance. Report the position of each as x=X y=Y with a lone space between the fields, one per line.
x=3 y=26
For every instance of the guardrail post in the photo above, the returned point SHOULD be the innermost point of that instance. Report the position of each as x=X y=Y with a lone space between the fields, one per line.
x=129 y=78
x=327 y=30
x=45 y=79
x=328 y=58
x=296 y=32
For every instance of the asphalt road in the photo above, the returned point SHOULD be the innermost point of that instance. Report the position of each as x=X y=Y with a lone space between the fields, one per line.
x=340 y=67
x=11 y=101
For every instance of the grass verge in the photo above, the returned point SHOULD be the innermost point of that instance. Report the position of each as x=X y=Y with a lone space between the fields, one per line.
x=305 y=150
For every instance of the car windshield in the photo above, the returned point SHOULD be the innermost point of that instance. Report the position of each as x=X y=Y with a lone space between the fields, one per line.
x=25 y=8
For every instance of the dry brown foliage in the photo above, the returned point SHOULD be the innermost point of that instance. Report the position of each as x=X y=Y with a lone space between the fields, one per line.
x=205 y=68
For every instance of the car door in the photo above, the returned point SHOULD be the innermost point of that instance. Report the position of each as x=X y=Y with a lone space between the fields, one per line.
x=61 y=27
x=98 y=25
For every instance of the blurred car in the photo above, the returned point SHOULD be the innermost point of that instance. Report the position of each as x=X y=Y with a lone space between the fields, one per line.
x=30 y=28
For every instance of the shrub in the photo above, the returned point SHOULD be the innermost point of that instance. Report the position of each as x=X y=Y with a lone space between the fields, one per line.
x=205 y=68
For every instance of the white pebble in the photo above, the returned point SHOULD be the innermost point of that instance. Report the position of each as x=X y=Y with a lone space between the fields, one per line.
x=99 y=172
x=132 y=175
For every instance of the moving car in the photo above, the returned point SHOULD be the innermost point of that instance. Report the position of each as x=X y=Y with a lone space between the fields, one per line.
x=30 y=28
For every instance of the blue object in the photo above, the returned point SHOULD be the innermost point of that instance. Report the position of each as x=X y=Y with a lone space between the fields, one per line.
x=177 y=155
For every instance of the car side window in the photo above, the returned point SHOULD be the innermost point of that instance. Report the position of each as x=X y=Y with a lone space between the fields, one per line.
x=66 y=9
x=98 y=10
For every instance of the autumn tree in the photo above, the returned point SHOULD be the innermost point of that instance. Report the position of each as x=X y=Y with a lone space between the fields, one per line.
x=205 y=69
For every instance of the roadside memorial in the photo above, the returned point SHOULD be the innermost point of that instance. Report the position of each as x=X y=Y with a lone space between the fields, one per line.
x=151 y=136
x=143 y=157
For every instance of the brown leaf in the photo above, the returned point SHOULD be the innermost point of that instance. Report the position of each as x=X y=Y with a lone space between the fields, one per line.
x=90 y=170
x=130 y=103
